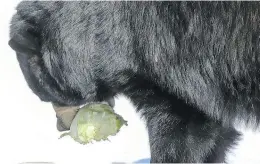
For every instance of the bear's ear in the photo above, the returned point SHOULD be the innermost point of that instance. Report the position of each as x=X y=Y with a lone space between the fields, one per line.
x=24 y=43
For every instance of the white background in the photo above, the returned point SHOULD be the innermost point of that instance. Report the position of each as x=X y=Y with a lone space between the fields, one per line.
x=28 y=127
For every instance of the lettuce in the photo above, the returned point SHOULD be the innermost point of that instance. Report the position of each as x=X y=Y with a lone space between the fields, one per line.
x=95 y=122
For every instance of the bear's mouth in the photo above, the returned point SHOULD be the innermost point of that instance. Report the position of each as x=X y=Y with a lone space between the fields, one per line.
x=66 y=114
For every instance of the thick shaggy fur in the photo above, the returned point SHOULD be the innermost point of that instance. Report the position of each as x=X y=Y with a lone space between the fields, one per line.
x=190 y=68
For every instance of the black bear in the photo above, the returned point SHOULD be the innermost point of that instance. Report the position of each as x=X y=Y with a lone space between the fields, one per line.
x=190 y=68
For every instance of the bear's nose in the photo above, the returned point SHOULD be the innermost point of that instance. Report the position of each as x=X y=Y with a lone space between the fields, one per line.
x=60 y=126
x=65 y=116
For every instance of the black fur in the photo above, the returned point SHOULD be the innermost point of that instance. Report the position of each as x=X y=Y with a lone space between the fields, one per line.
x=190 y=68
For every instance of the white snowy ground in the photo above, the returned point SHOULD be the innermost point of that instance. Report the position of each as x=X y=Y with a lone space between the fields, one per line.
x=28 y=127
